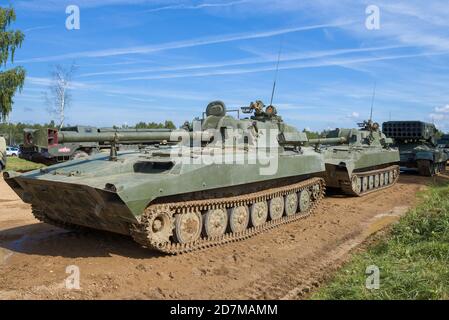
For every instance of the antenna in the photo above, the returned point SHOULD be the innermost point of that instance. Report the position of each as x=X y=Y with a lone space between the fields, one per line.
x=372 y=101
x=276 y=74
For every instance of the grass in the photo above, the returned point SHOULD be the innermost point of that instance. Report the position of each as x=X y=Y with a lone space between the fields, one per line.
x=17 y=164
x=413 y=258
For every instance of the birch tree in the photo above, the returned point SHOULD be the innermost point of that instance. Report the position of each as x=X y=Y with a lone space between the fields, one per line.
x=59 y=96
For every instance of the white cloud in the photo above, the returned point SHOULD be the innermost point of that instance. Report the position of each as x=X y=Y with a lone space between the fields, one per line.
x=354 y=115
x=344 y=62
x=265 y=59
x=179 y=44
x=441 y=117
x=444 y=109
x=198 y=6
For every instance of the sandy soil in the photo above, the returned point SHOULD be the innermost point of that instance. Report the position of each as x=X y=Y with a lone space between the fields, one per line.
x=287 y=263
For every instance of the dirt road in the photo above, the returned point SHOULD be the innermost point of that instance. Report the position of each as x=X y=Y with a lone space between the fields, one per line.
x=286 y=263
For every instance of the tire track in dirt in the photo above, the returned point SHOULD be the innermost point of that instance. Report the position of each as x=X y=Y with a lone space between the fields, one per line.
x=287 y=262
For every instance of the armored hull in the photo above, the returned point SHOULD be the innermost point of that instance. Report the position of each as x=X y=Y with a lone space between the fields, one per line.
x=362 y=163
x=178 y=198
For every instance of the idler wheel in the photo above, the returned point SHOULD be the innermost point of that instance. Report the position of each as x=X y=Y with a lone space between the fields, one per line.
x=276 y=206
x=215 y=222
x=304 y=201
x=259 y=213
x=238 y=219
x=188 y=227
x=291 y=204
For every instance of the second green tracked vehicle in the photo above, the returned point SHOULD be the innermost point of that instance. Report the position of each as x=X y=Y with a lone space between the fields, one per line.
x=359 y=161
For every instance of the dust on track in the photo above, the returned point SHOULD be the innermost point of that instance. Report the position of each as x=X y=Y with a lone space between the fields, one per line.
x=287 y=262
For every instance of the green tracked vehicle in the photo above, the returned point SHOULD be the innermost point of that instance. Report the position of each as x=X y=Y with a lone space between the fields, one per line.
x=359 y=161
x=416 y=141
x=224 y=180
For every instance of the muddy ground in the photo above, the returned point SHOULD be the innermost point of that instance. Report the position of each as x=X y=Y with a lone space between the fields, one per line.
x=289 y=262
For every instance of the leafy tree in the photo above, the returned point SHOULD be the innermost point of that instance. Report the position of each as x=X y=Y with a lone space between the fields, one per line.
x=154 y=125
x=13 y=79
x=13 y=132
x=169 y=125
x=312 y=134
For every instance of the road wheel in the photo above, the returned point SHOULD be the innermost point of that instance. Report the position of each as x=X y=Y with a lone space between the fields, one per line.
x=238 y=219
x=291 y=204
x=376 y=181
x=382 y=179
x=276 y=207
x=370 y=182
x=304 y=201
x=356 y=184
x=188 y=227
x=259 y=213
x=215 y=222
x=364 y=184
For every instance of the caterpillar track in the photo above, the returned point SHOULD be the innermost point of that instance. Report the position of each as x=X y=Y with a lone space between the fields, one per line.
x=428 y=168
x=363 y=183
x=157 y=227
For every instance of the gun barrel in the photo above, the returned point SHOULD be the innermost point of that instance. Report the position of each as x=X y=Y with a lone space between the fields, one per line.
x=328 y=140
x=128 y=136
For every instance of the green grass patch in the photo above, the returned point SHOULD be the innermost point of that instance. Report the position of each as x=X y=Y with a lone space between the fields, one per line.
x=413 y=258
x=17 y=164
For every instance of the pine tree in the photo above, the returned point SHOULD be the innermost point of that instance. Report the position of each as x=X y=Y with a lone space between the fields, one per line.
x=13 y=79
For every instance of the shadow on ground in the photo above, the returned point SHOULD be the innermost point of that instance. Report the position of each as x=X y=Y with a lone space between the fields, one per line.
x=45 y=240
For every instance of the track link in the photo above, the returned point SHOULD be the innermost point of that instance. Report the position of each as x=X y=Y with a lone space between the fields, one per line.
x=143 y=235
x=348 y=187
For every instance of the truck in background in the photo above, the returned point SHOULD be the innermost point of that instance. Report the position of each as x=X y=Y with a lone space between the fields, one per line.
x=42 y=146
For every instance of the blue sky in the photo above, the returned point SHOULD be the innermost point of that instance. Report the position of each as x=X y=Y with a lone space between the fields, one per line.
x=142 y=60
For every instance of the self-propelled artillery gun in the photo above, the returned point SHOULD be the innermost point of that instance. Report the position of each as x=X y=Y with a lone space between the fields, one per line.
x=225 y=179
x=360 y=160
